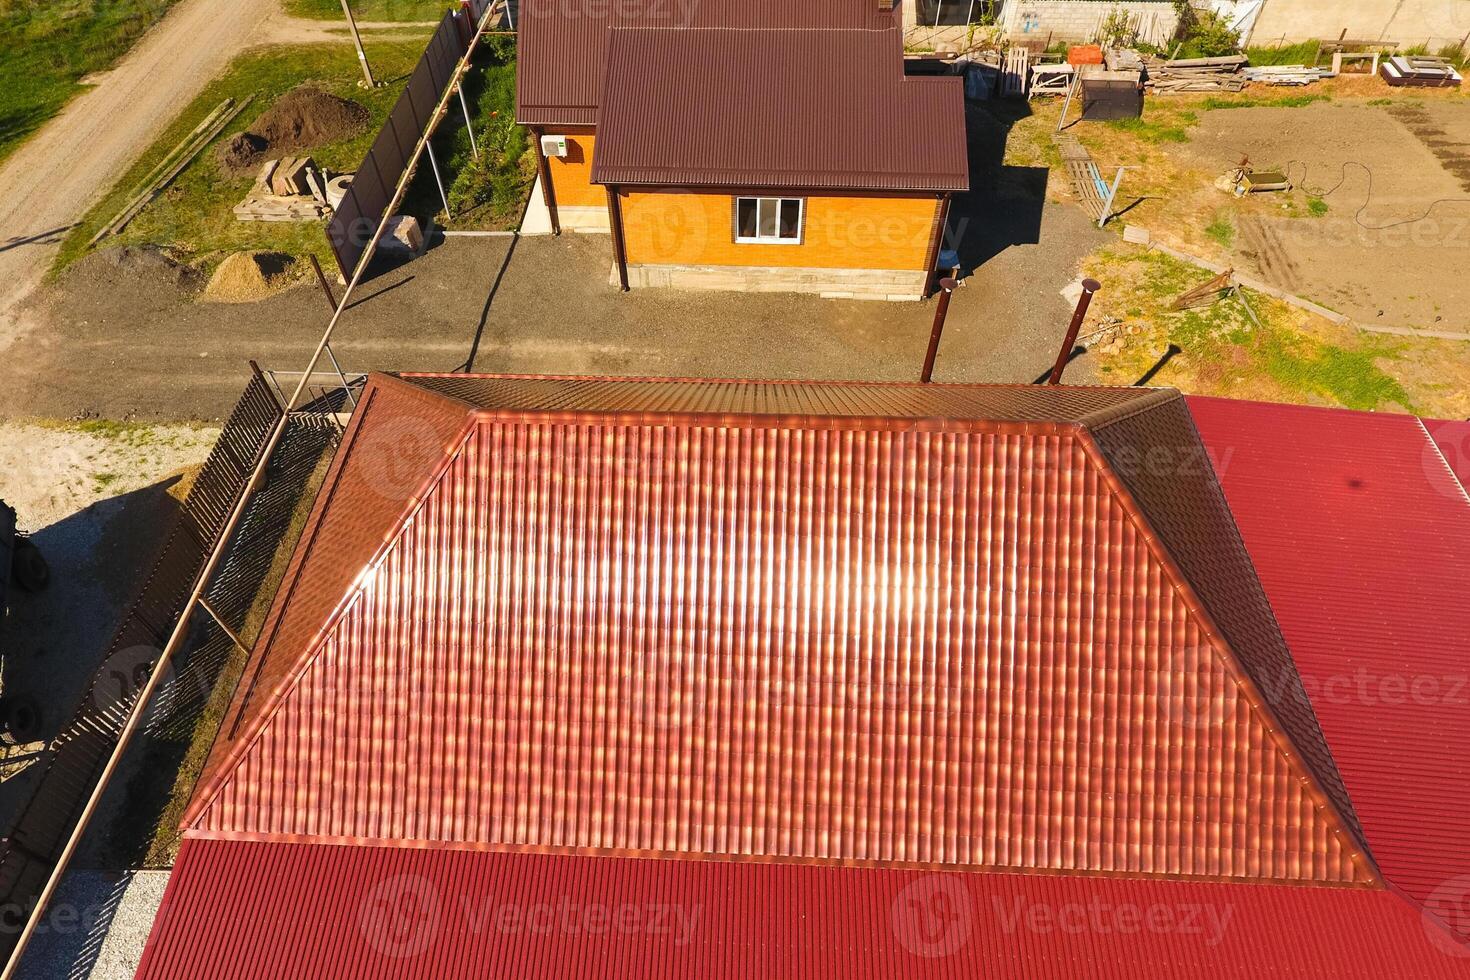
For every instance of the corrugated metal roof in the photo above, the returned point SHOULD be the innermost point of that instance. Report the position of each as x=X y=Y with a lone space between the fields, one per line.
x=1453 y=441
x=1361 y=536
x=561 y=46
x=772 y=108
x=911 y=640
x=317 y=912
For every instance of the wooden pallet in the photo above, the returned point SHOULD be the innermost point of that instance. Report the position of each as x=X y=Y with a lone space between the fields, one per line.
x=1087 y=181
x=1017 y=71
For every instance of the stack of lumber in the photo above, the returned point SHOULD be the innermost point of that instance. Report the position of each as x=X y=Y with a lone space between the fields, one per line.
x=1287 y=74
x=1197 y=75
x=173 y=164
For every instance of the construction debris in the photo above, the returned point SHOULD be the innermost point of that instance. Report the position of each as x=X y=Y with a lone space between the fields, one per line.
x=1017 y=71
x=289 y=189
x=1242 y=180
x=403 y=235
x=1420 y=71
x=1196 y=75
x=1287 y=74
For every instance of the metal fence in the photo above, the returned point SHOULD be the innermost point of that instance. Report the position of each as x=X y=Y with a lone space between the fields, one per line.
x=84 y=744
x=371 y=190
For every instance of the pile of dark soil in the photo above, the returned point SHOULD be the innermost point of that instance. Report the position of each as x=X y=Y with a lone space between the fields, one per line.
x=302 y=119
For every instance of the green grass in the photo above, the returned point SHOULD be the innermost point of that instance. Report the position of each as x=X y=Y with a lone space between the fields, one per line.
x=46 y=48
x=1317 y=207
x=194 y=214
x=1349 y=377
x=1152 y=131
x=1222 y=231
x=1254 y=102
x=1305 y=53
x=370 y=9
x=1223 y=333
x=487 y=192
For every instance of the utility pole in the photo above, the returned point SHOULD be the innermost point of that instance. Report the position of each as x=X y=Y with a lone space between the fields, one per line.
x=367 y=71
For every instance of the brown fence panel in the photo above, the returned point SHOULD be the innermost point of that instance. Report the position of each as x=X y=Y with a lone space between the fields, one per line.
x=79 y=750
x=353 y=224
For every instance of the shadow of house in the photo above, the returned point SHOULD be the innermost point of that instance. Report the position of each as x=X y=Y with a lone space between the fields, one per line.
x=1004 y=204
x=53 y=641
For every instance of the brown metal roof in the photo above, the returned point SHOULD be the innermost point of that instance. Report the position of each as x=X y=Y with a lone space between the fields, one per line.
x=772 y=108
x=561 y=45
x=915 y=636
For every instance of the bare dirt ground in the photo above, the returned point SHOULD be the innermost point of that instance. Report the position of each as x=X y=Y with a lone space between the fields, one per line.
x=1384 y=253
x=124 y=340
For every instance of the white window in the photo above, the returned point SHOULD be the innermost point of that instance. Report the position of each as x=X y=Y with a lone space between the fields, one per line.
x=769 y=220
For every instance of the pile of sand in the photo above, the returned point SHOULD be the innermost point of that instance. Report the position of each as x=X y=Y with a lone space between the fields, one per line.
x=303 y=118
x=246 y=277
x=152 y=263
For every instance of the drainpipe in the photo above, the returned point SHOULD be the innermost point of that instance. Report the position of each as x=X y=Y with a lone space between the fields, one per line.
x=947 y=286
x=543 y=170
x=936 y=241
x=615 y=221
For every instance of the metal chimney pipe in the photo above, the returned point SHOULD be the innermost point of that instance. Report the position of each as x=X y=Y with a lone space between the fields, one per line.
x=946 y=287
x=1089 y=286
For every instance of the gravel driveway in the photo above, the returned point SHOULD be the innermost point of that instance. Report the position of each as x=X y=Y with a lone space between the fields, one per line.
x=121 y=339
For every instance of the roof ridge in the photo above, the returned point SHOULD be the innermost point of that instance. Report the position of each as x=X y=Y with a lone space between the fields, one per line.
x=1359 y=854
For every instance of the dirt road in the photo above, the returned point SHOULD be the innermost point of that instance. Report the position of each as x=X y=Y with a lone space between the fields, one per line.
x=50 y=182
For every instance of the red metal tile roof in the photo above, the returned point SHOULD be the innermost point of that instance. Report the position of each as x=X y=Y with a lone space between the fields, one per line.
x=1361 y=536
x=771 y=108
x=561 y=46
x=236 y=910
x=904 y=639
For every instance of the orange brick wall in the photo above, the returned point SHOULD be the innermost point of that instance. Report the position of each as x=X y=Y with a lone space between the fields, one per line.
x=571 y=176
x=840 y=232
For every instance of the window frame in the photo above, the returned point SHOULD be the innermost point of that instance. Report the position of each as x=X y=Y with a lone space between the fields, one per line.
x=760 y=239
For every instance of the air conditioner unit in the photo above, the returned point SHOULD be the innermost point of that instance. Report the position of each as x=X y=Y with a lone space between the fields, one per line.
x=554 y=146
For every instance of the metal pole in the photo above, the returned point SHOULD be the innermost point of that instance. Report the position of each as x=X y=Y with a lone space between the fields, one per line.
x=340 y=376
x=1112 y=196
x=321 y=278
x=201 y=581
x=1067 y=105
x=367 y=70
x=1089 y=286
x=468 y=125
x=434 y=163
x=946 y=286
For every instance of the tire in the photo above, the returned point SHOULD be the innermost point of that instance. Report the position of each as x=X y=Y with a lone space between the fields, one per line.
x=28 y=567
x=20 y=719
